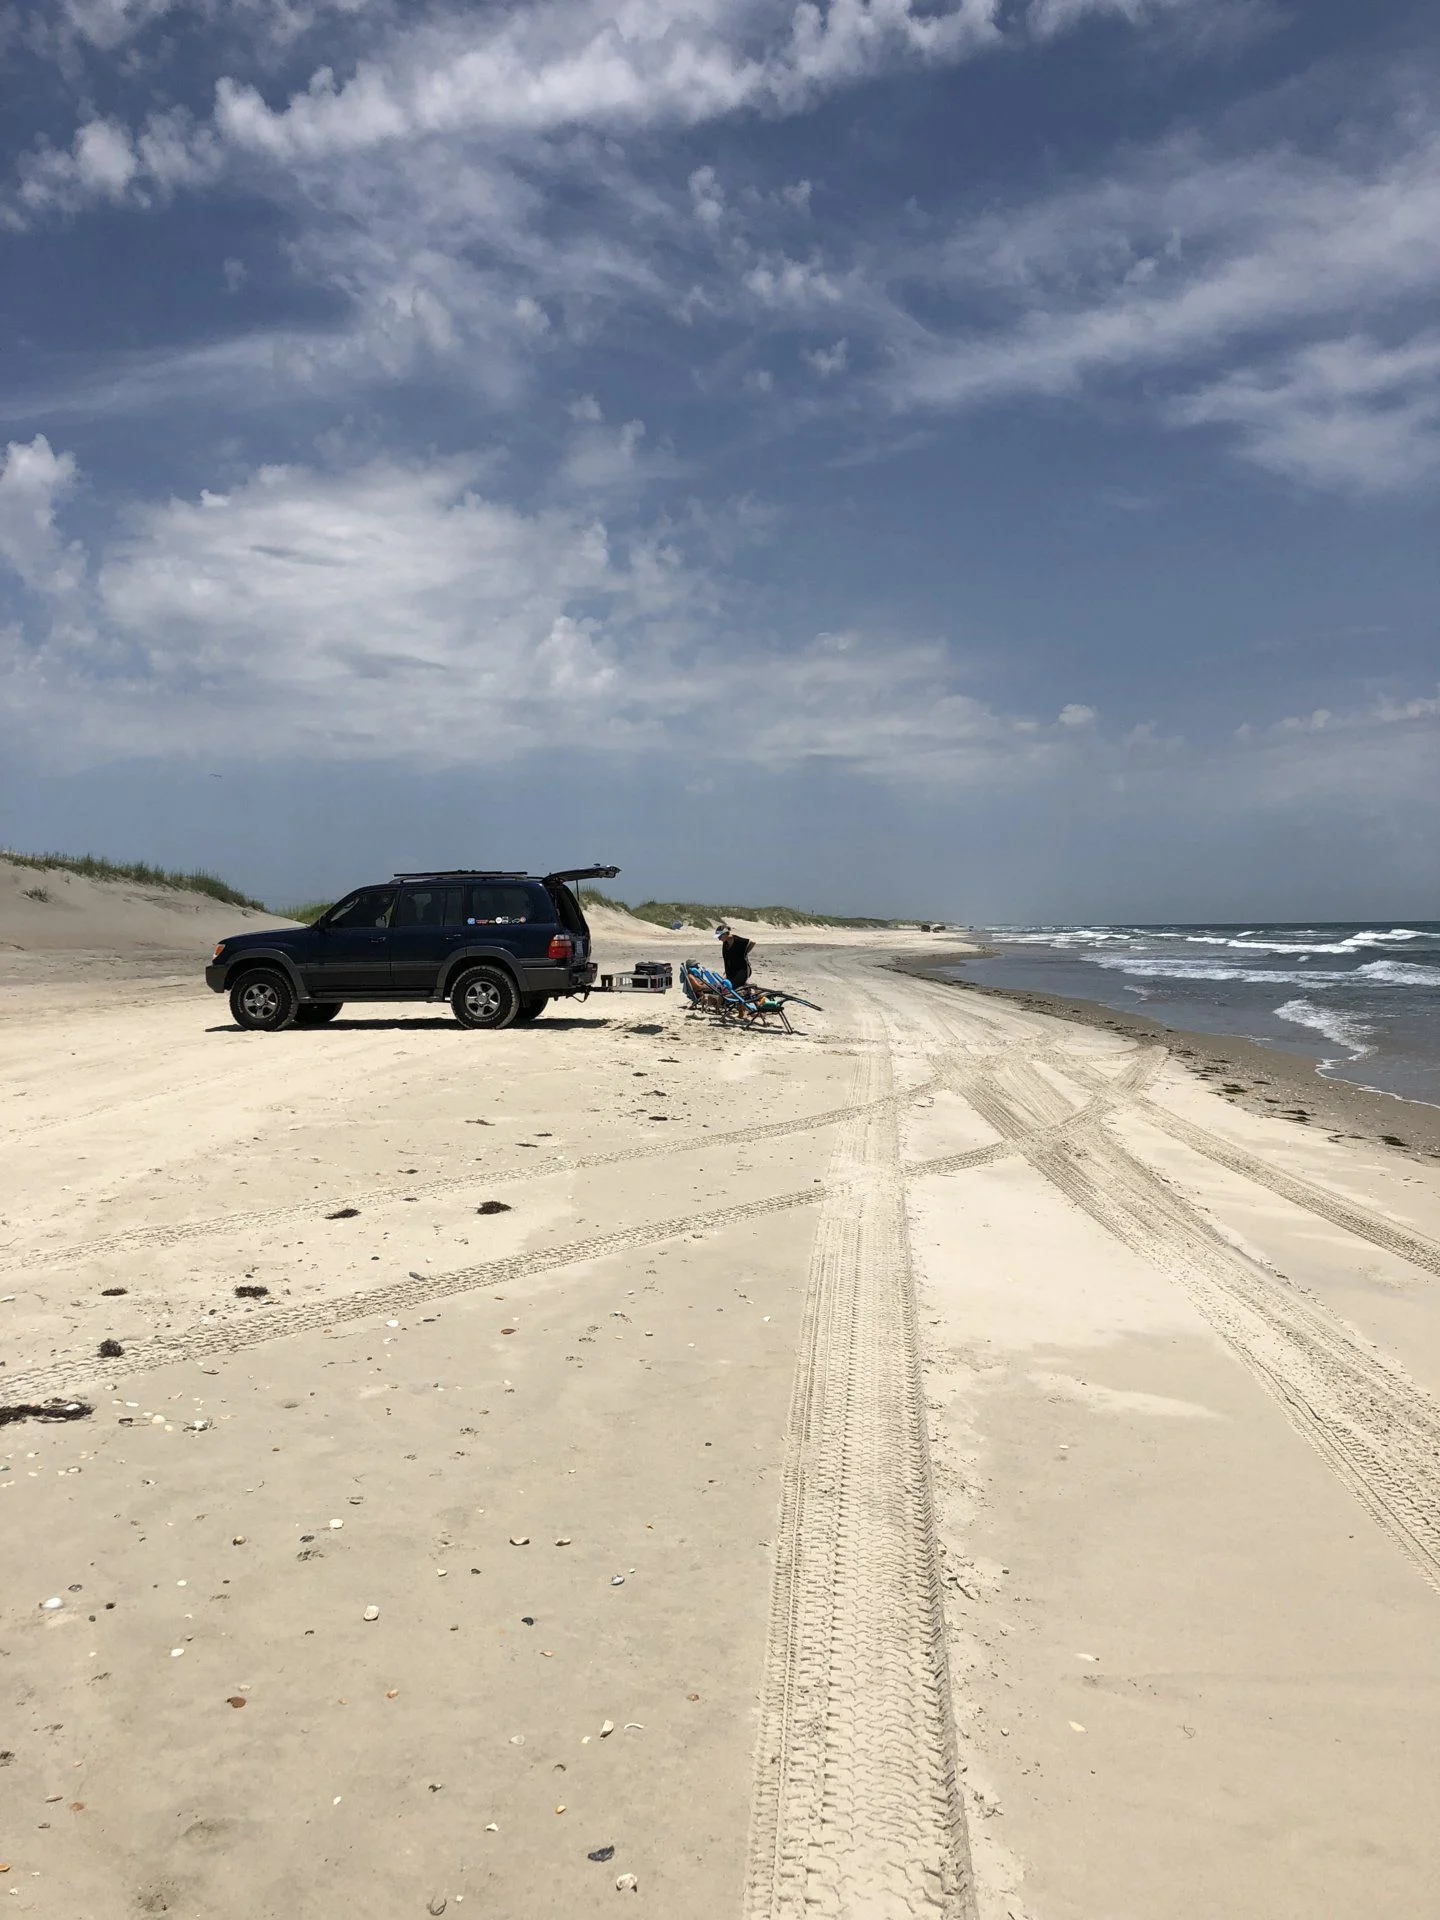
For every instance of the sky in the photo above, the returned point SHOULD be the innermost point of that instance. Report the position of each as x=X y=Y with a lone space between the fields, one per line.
x=968 y=458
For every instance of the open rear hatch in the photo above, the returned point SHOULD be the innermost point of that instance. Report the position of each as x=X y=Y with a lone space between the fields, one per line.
x=582 y=873
x=568 y=905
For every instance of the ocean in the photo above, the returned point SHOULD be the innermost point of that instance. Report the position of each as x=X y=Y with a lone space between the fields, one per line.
x=1360 y=1000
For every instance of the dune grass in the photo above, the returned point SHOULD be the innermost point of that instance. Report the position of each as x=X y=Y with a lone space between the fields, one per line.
x=699 y=913
x=308 y=911
x=93 y=867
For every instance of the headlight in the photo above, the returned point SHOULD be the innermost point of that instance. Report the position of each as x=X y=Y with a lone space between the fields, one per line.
x=220 y=948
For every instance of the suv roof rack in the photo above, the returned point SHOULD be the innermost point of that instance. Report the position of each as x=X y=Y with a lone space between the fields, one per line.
x=465 y=873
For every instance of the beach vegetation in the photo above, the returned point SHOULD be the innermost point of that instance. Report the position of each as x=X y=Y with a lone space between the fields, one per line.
x=93 y=867
x=699 y=913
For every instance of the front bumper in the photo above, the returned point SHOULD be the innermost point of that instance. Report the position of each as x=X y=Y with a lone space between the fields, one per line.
x=215 y=979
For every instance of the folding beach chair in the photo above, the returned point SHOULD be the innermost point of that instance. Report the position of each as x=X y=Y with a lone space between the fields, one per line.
x=699 y=987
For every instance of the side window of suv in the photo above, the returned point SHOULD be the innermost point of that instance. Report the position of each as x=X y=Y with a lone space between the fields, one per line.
x=430 y=907
x=499 y=904
x=370 y=908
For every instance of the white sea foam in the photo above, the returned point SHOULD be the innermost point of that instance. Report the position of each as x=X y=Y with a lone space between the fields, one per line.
x=1353 y=943
x=1300 y=942
x=1399 y=973
x=1147 y=967
x=1343 y=1028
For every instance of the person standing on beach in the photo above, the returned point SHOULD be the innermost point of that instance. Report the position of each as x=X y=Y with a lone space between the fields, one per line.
x=735 y=951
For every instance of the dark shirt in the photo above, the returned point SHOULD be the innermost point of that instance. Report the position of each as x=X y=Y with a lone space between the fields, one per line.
x=735 y=951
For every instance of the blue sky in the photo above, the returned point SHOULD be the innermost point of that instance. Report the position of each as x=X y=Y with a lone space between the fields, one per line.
x=976 y=457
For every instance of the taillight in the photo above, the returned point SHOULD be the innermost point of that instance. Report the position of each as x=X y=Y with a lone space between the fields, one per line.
x=562 y=947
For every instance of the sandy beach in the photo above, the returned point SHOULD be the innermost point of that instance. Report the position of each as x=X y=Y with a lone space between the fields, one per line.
x=952 y=1461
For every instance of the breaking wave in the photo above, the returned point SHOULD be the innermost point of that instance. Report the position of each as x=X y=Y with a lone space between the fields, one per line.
x=1343 y=1028
x=1399 y=973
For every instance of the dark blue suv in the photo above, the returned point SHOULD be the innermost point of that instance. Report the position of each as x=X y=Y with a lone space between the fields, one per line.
x=498 y=946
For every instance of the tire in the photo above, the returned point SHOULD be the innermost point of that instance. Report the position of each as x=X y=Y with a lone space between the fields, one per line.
x=262 y=1000
x=532 y=1007
x=485 y=997
x=317 y=1015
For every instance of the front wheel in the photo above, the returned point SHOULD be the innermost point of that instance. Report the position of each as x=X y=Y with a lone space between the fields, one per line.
x=317 y=1014
x=485 y=997
x=532 y=1007
x=262 y=1001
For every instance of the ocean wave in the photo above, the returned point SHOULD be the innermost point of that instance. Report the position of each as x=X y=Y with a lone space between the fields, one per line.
x=1147 y=967
x=1343 y=1028
x=1399 y=973
x=1290 y=942
x=1060 y=936
x=1354 y=943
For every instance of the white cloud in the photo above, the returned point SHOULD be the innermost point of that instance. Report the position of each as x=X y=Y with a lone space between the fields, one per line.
x=1182 y=257
x=103 y=24
x=390 y=609
x=68 y=30
x=104 y=162
x=1381 y=755
x=34 y=480
x=1385 y=711
x=420 y=176
x=583 y=62
x=829 y=360
x=399 y=611
x=99 y=165
x=431 y=194
x=504 y=78
x=601 y=461
x=1047 y=18
x=1346 y=413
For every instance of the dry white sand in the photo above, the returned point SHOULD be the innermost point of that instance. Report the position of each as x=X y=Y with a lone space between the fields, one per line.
x=1180 y=1424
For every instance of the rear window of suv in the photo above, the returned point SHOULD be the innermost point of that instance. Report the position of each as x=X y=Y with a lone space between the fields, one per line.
x=492 y=904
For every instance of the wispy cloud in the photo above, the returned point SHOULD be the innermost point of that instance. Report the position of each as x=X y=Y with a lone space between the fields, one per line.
x=1185 y=257
x=1346 y=413
x=387 y=610
x=402 y=611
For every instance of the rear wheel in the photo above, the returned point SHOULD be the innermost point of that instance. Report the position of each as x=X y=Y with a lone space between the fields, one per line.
x=262 y=1001
x=485 y=997
x=532 y=1006
x=317 y=1015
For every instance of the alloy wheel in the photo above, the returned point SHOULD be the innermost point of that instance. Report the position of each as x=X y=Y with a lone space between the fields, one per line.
x=482 y=1000
x=260 y=1001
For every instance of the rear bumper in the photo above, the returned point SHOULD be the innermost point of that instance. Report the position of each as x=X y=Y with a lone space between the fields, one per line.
x=544 y=978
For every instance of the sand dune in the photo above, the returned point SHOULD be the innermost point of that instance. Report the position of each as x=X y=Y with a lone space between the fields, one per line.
x=50 y=911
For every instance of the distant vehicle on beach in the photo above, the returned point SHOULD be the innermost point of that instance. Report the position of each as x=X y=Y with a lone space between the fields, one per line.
x=498 y=946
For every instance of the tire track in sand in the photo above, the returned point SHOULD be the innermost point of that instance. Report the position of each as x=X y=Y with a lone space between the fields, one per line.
x=67 y=1373
x=856 y=1805
x=256 y=1217
x=1378 y=1430
x=1340 y=1212
x=1407 y=1242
